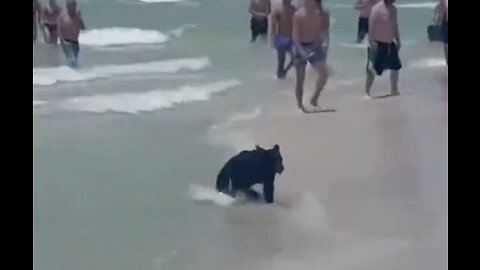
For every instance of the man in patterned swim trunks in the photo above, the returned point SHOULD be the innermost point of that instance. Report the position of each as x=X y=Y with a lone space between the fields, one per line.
x=310 y=36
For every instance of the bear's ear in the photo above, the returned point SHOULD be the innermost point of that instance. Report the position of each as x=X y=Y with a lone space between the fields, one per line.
x=276 y=147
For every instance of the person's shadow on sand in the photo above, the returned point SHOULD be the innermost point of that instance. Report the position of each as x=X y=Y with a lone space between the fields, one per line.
x=383 y=96
x=309 y=111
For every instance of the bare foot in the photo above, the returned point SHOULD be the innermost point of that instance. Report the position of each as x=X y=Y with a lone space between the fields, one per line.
x=395 y=93
x=300 y=106
x=314 y=101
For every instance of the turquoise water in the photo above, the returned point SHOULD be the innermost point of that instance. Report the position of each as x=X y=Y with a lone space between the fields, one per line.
x=119 y=143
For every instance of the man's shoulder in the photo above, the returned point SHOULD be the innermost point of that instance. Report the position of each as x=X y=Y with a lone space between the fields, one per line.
x=276 y=9
x=62 y=16
x=376 y=7
x=300 y=12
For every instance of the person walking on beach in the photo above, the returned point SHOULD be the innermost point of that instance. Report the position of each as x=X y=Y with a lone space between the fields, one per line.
x=441 y=18
x=36 y=17
x=70 y=23
x=259 y=10
x=364 y=7
x=384 y=39
x=311 y=24
x=281 y=35
x=49 y=16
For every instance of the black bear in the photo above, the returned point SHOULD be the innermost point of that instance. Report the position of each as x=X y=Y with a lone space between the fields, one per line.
x=248 y=168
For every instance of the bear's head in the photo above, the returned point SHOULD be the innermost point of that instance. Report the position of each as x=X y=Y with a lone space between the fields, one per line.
x=275 y=156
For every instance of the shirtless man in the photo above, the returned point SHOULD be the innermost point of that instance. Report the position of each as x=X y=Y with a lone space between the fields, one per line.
x=36 y=17
x=311 y=25
x=281 y=35
x=441 y=18
x=259 y=10
x=70 y=23
x=364 y=7
x=49 y=18
x=384 y=39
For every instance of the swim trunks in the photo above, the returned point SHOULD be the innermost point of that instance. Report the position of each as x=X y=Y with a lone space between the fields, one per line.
x=384 y=56
x=258 y=26
x=315 y=51
x=283 y=42
x=71 y=49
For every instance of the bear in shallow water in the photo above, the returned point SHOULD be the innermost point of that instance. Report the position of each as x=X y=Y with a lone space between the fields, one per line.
x=248 y=168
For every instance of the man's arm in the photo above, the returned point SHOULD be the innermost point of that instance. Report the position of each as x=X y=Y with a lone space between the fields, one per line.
x=41 y=15
x=273 y=27
x=358 y=5
x=396 y=32
x=80 y=21
x=326 y=41
x=372 y=28
x=439 y=13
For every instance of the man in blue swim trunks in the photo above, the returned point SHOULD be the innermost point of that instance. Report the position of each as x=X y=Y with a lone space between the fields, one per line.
x=70 y=23
x=281 y=35
x=311 y=25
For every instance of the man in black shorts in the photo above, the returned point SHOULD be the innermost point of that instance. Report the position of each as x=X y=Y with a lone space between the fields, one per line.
x=444 y=26
x=384 y=39
x=259 y=11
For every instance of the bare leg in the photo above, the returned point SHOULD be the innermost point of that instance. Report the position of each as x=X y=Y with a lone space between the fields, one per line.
x=290 y=64
x=322 y=76
x=300 y=70
x=253 y=31
x=445 y=51
x=281 y=63
x=264 y=37
x=369 y=81
x=46 y=35
x=54 y=37
x=394 y=82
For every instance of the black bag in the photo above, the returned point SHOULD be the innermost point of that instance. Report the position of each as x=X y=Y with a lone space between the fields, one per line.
x=434 y=33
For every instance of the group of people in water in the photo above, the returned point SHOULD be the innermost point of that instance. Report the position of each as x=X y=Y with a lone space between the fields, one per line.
x=59 y=24
x=303 y=33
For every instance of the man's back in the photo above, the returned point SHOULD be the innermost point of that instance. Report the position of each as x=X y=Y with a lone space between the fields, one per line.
x=283 y=15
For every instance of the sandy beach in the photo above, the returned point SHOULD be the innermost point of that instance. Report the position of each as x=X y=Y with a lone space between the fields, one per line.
x=370 y=179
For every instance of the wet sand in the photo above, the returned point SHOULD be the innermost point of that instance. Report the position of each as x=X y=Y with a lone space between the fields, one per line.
x=377 y=168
